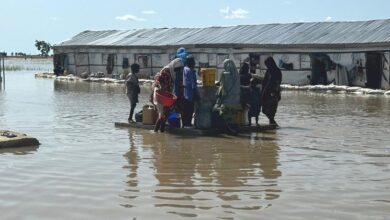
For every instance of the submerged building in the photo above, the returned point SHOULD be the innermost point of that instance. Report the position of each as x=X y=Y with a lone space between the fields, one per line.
x=344 y=53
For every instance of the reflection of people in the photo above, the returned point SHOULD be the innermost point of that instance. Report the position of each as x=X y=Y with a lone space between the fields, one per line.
x=190 y=91
x=132 y=158
x=132 y=89
x=270 y=94
x=183 y=167
x=163 y=82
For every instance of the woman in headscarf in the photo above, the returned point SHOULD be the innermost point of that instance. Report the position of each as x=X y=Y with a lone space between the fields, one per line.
x=228 y=102
x=270 y=94
x=163 y=81
x=245 y=78
x=182 y=54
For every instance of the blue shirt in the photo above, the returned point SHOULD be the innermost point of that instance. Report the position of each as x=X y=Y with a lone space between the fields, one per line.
x=189 y=83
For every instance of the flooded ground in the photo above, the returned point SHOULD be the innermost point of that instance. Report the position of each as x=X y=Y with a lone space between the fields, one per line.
x=330 y=160
x=28 y=64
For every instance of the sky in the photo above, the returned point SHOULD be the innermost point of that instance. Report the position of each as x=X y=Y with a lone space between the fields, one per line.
x=24 y=21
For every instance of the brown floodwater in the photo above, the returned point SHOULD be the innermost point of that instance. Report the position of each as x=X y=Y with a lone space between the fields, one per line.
x=329 y=160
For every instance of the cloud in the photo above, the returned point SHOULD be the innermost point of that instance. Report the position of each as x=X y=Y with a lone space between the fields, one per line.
x=328 y=18
x=286 y=2
x=149 y=12
x=129 y=18
x=233 y=14
x=54 y=18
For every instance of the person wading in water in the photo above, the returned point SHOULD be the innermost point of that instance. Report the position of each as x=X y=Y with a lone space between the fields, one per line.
x=270 y=94
x=132 y=89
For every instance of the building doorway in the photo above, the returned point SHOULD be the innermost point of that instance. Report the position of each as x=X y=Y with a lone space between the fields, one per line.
x=318 y=69
x=374 y=70
x=60 y=62
x=110 y=63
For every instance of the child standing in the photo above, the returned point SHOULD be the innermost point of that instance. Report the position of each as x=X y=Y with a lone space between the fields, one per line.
x=254 y=103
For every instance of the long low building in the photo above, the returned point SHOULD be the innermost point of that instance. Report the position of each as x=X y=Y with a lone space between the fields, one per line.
x=344 y=53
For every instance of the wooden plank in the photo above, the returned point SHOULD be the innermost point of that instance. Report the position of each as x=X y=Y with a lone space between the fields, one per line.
x=195 y=131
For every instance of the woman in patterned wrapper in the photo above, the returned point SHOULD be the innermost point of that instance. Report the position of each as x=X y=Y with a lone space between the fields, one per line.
x=163 y=81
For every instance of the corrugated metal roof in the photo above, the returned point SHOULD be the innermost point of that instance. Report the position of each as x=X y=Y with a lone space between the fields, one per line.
x=314 y=33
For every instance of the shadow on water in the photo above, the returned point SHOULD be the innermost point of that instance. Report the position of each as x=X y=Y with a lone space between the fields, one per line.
x=223 y=175
x=19 y=150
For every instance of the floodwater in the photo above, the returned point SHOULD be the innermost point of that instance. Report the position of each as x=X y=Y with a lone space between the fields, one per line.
x=330 y=160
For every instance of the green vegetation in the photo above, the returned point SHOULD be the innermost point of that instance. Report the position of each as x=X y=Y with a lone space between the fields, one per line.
x=44 y=47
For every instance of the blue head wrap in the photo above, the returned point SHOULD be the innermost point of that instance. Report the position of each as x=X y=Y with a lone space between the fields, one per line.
x=182 y=54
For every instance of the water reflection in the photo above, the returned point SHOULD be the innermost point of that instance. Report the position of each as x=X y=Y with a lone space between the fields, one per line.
x=19 y=150
x=223 y=176
x=87 y=87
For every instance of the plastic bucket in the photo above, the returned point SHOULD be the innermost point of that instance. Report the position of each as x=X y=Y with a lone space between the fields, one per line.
x=167 y=99
x=208 y=76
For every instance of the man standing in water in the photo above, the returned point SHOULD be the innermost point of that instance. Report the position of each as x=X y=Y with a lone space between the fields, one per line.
x=190 y=91
x=132 y=89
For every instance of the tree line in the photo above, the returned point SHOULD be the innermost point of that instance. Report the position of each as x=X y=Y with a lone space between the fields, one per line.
x=42 y=46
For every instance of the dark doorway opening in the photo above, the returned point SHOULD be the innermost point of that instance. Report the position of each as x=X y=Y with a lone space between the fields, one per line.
x=254 y=62
x=318 y=69
x=110 y=63
x=374 y=70
x=60 y=63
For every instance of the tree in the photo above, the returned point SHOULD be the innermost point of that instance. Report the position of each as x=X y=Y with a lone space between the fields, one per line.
x=43 y=46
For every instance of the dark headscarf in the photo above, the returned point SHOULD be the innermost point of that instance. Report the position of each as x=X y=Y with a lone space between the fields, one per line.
x=273 y=69
x=245 y=76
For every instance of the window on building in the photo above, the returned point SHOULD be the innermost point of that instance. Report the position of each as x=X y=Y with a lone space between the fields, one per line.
x=125 y=63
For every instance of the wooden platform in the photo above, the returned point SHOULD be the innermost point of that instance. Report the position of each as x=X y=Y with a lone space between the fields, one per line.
x=10 y=139
x=195 y=131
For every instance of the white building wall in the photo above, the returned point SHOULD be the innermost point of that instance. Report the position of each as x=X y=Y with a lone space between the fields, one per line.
x=95 y=60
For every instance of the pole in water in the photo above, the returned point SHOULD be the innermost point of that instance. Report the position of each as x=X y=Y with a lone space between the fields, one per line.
x=2 y=57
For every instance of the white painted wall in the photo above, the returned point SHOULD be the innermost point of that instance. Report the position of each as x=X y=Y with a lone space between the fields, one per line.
x=157 y=58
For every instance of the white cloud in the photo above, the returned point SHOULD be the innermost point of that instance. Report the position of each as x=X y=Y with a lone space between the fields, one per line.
x=149 y=12
x=129 y=18
x=328 y=18
x=54 y=18
x=286 y=2
x=233 y=14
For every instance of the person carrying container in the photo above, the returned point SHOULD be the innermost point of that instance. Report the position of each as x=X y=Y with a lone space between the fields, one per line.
x=163 y=84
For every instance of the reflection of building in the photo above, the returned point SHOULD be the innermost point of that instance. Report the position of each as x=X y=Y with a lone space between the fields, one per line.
x=316 y=52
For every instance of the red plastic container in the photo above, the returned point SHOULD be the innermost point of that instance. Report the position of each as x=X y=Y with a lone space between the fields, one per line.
x=167 y=99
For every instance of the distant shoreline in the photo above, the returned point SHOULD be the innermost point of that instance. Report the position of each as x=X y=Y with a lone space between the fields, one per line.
x=33 y=57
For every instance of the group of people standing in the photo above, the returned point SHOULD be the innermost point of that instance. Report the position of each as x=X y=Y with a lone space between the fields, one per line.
x=179 y=77
x=240 y=90
x=236 y=91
